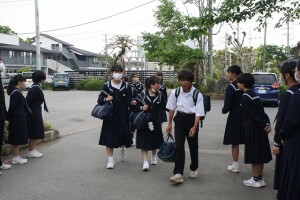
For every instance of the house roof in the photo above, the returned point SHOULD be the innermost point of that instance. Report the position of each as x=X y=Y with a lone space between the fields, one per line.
x=57 y=40
x=83 y=52
x=25 y=47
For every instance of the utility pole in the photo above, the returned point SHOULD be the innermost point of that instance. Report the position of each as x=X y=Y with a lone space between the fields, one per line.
x=106 y=62
x=265 y=41
x=288 y=40
x=37 y=37
x=210 y=45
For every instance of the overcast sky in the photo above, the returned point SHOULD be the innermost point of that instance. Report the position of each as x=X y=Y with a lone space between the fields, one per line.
x=54 y=14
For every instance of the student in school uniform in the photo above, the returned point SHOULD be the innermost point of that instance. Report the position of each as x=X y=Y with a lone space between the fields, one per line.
x=150 y=139
x=186 y=124
x=234 y=131
x=116 y=133
x=290 y=172
x=134 y=79
x=163 y=90
x=35 y=99
x=3 y=114
x=134 y=94
x=257 y=126
x=17 y=117
x=287 y=76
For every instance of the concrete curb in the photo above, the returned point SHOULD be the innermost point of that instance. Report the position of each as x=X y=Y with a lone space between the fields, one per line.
x=49 y=136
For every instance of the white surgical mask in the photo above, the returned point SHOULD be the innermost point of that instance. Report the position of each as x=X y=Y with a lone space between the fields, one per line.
x=117 y=76
x=2 y=67
x=297 y=79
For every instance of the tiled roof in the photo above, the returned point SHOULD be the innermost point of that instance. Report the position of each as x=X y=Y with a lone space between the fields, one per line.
x=86 y=53
x=57 y=40
x=25 y=47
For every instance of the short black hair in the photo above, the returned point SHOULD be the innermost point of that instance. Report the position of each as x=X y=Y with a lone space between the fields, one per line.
x=186 y=75
x=133 y=75
x=116 y=68
x=235 y=69
x=159 y=74
x=151 y=81
x=126 y=79
x=247 y=79
x=38 y=76
x=289 y=68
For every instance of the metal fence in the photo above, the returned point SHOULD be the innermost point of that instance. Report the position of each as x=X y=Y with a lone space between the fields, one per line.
x=76 y=76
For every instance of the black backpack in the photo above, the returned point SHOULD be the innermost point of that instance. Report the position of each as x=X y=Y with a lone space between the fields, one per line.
x=206 y=101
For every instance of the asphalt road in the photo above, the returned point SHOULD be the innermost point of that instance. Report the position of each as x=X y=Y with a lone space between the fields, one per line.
x=74 y=167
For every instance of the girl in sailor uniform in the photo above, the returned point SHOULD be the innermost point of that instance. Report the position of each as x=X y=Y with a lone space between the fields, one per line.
x=234 y=131
x=290 y=173
x=257 y=126
x=35 y=98
x=17 y=117
x=115 y=133
x=288 y=77
x=150 y=139
x=134 y=79
x=163 y=90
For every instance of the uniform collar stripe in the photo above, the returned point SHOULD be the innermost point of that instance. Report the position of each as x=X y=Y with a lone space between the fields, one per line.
x=236 y=89
x=252 y=98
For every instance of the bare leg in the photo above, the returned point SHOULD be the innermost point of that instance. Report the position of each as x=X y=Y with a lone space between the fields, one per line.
x=15 y=150
x=145 y=155
x=235 y=152
x=256 y=169
x=110 y=151
x=154 y=152
x=32 y=144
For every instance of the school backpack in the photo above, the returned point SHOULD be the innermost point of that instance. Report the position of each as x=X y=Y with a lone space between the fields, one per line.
x=206 y=101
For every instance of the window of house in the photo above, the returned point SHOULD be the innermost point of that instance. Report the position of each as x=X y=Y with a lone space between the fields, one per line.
x=55 y=47
x=23 y=56
x=12 y=54
x=30 y=58
x=95 y=61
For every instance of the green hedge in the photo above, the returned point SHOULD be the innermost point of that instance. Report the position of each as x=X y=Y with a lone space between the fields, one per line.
x=47 y=86
x=171 y=84
x=90 y=84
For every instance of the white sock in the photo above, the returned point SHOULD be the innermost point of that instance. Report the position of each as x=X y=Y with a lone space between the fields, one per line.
x=235 y=164
x=110 y=158
x=145 y=161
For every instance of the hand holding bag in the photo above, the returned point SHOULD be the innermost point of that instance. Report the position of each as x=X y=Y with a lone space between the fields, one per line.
x=104 y=111
x=140 y=119
x=167 y=149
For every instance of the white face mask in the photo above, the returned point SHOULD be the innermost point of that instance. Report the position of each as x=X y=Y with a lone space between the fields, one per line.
x=297 y=79
x=117 y=76
x=2 y=67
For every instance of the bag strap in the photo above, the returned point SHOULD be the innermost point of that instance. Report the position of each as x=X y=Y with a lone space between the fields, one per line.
x=195 y=95
x=177 y=92
x=169 y=136
x=143 y=97
x=102 y=91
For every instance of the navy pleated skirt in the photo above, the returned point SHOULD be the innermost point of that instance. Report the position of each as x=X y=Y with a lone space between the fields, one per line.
x=149 y=139
x=289 y=188
x=116 y=133
x=257 y=146
x=35 y=126
x=234 y=131
x=18 y=132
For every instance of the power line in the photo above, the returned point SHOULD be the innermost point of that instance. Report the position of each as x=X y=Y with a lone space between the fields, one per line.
x=101 y=19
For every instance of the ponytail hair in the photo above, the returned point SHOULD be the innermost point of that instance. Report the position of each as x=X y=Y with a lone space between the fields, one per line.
x=151 y=81
x=13 y=82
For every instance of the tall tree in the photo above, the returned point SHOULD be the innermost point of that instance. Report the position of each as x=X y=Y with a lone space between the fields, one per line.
x=7 y=30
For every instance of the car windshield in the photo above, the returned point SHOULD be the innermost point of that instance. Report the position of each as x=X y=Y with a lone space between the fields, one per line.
x=27 y=75
x=265 y=79
x=60 y=77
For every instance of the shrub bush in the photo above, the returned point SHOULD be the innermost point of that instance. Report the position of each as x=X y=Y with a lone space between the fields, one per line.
x=282 y=89
x=94 y=85
x=80 y=84
x=170 y=84
x=47 y=86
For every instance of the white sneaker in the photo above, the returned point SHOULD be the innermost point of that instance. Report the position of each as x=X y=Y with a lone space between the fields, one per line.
x=193 y=174
x=5 y=166
x=133 y=142
x=154 y=160
x=233 y=168
x=110 y=165
x=18 y=160
x=262 y=182
x=123 y=153
x=252 y=183
x=146 y=166
x=34 y=154
x=177 y=178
